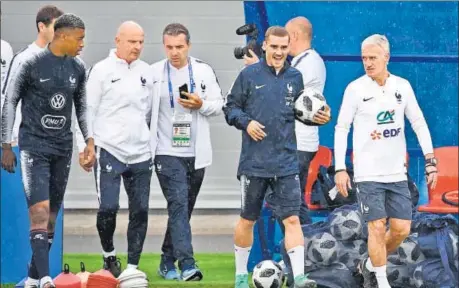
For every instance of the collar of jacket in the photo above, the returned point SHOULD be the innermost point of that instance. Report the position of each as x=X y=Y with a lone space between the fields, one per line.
x=114 y=57
x=271 y=68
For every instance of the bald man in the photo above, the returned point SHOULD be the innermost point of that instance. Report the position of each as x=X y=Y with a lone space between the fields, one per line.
x=119 y=93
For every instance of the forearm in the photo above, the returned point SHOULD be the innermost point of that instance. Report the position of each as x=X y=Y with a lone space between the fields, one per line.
x=340 y=145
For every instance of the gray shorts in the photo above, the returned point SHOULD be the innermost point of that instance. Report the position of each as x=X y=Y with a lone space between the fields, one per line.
x=284 y=200
x=384 y=200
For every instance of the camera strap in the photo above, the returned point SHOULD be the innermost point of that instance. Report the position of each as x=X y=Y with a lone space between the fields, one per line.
x=169 y=83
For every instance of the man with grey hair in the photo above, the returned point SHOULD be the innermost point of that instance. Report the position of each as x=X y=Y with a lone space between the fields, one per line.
x=187 y=95
x=377 y=104
x=48 y=84
x=119 y=95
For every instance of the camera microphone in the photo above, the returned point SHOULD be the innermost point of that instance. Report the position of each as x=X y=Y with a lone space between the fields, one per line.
x=246 y=29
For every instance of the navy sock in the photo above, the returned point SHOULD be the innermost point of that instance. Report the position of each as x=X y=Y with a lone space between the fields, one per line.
x=40 y=253
x=33 y=268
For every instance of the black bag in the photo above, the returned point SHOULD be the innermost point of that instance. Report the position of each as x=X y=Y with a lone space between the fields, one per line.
x=326 y=182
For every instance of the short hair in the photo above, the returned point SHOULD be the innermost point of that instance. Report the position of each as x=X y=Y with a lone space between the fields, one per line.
x=68 y=21
x=175 y=29
x=47 y=14
x=378 y=40
x=278 y=31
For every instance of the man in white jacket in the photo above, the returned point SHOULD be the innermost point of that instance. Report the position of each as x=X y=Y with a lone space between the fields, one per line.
x=181 y=142
x=377 y=104
x=119 y=90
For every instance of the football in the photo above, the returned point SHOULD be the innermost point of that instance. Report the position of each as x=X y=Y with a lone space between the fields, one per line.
x=267 y=274
x=323 y=249
x=409 y=251
x=346 y=224
x=307 y=105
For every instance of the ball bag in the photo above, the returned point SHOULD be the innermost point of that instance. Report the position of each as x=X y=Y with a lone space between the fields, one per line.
x=67 y=279
x=83 y=275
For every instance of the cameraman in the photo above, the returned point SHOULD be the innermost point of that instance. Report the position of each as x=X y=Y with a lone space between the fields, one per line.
x=312 y=68
x=261 y=104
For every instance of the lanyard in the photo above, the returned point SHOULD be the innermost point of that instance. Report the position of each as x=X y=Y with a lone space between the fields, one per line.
x=169 y=83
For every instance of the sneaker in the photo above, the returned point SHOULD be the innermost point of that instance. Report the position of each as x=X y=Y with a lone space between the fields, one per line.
x=302 y=281
x=47 y=282
x=113 y=265
x=31 y=283
x=191 y=273
x=242 y=281
x=168 y=271
x=369 y=277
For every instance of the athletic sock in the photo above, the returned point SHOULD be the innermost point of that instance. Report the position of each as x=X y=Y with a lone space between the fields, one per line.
x=242 y=259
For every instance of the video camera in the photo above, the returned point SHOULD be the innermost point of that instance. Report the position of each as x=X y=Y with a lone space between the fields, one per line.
x=252 y=31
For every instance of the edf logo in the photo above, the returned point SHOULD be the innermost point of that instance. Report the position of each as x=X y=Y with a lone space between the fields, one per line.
x=387 y=133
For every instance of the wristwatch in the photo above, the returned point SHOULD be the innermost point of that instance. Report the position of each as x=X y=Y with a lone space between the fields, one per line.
x=431 y=162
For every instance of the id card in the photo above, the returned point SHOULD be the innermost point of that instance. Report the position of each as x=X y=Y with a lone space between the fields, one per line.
x=181 y=130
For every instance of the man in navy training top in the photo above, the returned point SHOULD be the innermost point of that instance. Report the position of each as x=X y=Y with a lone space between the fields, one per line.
x=48 y=85
x=261 y=104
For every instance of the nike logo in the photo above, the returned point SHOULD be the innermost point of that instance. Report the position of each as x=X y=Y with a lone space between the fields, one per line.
x=44 y=80
x=114 y=80
x=366 y=99
x=258 y=87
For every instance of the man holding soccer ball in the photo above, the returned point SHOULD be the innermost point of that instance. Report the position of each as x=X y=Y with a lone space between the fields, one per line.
x=261 y=103
x=377 y=104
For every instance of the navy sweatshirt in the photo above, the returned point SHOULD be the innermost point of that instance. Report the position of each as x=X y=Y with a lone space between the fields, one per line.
x=261 y=95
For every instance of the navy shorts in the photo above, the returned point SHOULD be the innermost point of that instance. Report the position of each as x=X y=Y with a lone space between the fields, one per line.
x=384 y=200
x=285 y=198
x=45 y=177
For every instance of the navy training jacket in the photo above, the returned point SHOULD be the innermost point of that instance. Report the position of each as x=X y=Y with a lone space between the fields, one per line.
x=261 y=95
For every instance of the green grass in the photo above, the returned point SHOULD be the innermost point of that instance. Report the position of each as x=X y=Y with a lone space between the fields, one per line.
x=218 y=269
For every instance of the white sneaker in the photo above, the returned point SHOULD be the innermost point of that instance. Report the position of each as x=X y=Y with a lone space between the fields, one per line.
x=31 y=283
x=47 y=282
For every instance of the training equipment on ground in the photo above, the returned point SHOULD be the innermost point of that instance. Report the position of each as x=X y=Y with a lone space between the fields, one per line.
x=323 y=249
x=308 y=103
x=345 y=224
x=418 y=277
x=267 y=274
x=83 y=275
x=133 y=278
x=398 y=273
x=102 y=279
x=350 y=253
x=409 y=251
x=67 y=279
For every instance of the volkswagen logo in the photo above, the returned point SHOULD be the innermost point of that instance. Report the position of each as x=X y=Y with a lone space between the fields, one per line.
x=57 y=102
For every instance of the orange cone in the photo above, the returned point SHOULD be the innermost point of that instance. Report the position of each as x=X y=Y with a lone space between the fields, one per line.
x=102 y=279
x=67 y=279
x=83 y=275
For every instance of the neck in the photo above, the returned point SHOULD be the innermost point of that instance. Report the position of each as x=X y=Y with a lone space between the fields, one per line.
x=381 y=78
x=119 y=57
x=56 y=50
x=41 y=41
x=277 y=69
x=301 y=47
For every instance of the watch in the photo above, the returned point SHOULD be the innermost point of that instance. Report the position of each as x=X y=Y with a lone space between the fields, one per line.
x=431 y=162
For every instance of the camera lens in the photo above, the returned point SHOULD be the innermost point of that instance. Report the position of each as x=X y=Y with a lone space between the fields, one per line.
x=239 y=52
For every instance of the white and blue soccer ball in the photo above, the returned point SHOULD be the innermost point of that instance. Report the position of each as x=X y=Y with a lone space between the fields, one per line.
x=351 y=253
x=398 y=274
x=346 y=224
x=409 y=251
x=267 y=274
x=323 y=249
x=308 y=104
x=418 y=278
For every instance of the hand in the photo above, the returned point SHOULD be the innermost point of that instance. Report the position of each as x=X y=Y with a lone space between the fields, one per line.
x=432 y=176
x=343 y=182
x=250 y=60
x=88 y=157
x=193 y=102
x=255 y=130
x=322 y=116
x=9 y=160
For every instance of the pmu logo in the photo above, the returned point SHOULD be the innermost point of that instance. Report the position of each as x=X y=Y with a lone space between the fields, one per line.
x=387 y=133
x=385 y=117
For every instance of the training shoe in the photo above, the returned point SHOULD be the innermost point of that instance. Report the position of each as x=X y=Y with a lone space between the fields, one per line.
x=47 y=282
x=242 y=281
x=302 y=281
x=369 y=277
x=191 y=273
x=168 y=271
x=31 y=283
x=113 y=265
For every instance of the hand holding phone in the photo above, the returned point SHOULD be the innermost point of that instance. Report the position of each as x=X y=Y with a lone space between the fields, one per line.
x=183 y=88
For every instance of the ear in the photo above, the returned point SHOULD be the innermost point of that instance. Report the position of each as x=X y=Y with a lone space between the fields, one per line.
x=387 y=58
x=41 y=26
x=264 y=46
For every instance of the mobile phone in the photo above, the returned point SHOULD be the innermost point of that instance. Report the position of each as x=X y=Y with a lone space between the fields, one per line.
x=183 y=88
